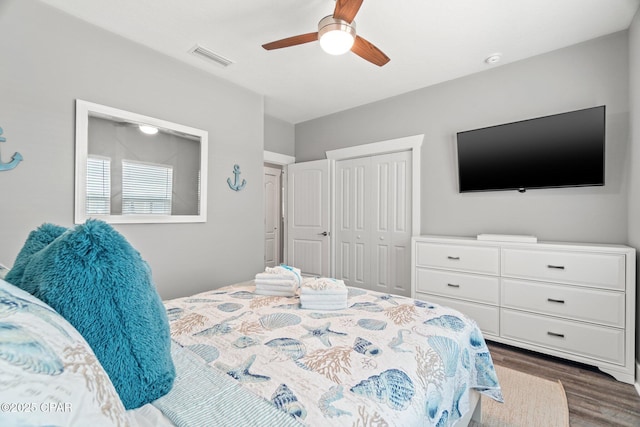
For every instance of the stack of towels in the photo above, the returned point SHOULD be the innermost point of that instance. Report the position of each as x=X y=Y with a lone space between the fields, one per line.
x=323 y=293
x=282 y=280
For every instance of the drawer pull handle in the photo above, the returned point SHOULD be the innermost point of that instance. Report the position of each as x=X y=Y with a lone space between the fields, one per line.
x=557 y=267
x=555 y=334
x=454 y=258
x=453 y=285
x=559 y=301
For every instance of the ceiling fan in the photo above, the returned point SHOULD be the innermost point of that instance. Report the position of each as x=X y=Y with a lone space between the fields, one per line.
x=337 y=35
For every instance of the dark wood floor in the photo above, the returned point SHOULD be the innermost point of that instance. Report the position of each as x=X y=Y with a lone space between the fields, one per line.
x=594 y=398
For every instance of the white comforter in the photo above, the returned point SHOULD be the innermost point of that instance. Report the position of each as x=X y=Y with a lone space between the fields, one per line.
x=385 y=360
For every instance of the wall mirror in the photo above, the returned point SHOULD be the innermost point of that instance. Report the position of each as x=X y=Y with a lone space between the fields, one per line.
x=132 y=168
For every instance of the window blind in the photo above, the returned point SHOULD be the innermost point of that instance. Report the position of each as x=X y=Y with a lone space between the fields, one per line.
x=98 y=186
x=146 y=188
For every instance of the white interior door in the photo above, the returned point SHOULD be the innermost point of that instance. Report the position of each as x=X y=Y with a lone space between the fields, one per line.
x=373 y=222
x=308 y=210
x=391 y=221
x=272 y=215
x=352 y=223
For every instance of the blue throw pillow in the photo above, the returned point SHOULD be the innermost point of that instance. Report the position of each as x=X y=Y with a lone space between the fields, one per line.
x=95 y=279
x=36 y=241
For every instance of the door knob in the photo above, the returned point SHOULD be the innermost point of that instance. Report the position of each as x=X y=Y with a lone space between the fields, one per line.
x=324 y=233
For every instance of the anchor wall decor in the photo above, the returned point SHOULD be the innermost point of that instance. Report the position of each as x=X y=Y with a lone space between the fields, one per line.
x=15 y=159
x=236 y=185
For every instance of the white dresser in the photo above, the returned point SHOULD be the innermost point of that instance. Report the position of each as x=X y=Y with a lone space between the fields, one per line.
x=570 y=300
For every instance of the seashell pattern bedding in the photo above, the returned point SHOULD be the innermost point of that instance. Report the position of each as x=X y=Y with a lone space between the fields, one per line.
x=385 y=360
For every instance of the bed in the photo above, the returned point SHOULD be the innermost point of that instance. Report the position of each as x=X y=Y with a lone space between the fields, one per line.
x=386 y=360
x=237 y=358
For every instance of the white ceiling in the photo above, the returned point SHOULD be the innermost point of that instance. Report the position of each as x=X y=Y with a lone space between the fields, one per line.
x=428 y=41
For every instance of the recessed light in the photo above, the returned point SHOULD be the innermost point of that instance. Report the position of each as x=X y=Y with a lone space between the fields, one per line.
x=493 y=58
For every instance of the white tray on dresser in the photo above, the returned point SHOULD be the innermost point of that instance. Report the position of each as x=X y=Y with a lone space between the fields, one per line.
x=571 y=300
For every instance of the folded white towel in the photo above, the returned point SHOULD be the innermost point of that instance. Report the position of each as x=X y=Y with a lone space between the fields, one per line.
x=327 y=306
x=327 y=298
x=340 y=292
x=269 y=276
x=281 y=269
x=291 y=287
x=277 y=282
x=323 y=285
x=282 y=293
x=323 y=293
x=281 y=272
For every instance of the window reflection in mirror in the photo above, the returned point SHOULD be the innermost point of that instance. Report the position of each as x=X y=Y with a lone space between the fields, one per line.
x=133 y=168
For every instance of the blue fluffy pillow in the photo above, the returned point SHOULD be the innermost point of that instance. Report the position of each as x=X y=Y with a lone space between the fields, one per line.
x=95 y=279
x=36 y=241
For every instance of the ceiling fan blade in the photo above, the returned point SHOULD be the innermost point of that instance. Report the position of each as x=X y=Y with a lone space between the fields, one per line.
x=292 y=41
x=367 y=51
x=347 y=9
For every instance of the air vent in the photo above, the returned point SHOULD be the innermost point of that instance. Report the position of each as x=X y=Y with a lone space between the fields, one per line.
x=205 y=53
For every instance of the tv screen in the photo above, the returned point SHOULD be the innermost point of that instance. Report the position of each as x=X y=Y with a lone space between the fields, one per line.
x=562 y=150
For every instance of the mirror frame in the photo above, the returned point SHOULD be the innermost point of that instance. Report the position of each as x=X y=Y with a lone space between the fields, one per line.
x=84 y=110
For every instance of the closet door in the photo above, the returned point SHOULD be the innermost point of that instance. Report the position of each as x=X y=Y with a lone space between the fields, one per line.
x=373 y=222
x=353 y=239
x=391 y=223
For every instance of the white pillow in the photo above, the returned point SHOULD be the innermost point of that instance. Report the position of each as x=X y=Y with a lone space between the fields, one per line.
x=48 y=373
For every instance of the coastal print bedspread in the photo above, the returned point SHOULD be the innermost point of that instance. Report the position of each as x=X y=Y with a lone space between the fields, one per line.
x=386 y=360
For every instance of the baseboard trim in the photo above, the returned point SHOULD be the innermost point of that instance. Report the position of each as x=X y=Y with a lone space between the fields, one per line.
x=636 y=384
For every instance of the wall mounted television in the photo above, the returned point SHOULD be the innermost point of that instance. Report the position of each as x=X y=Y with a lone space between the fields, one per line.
x=560 y=150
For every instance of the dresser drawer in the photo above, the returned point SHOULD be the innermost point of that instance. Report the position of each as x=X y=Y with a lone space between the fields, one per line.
x=591 y=305
x=484 y=289
x=596 y=342
x=589 y=269
x=474 y=259
x=487 y=317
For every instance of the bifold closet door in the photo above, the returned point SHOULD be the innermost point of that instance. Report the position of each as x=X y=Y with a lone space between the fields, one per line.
x=391 y=223
x=353 y=228
x=373 y=222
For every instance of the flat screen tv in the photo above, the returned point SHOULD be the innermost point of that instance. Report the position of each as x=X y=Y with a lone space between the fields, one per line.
x=561 y=150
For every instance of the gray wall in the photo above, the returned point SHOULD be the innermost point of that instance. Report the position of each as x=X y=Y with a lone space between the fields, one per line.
x=581 y=76
x=634 y=181
x=279 y=136
x=49 y=59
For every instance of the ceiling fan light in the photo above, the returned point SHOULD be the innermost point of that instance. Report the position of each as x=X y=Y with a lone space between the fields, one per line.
x=149 y=130
x=336 y=36
x=336 y=42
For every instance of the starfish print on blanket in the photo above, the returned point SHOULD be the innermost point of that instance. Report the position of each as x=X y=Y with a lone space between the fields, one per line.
x=241 y=372
x=322 y=333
